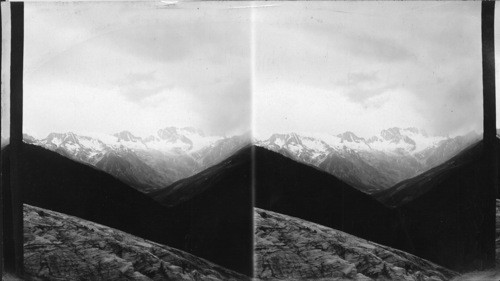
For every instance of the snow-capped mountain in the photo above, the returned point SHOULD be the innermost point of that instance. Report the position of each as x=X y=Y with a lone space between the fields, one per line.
x=145 y=163
x=372 y=164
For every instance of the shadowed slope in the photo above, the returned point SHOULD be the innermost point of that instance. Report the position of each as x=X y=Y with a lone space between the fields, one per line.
x=215 y=224
x=446 y=223
x=443 y=224
x=233 y=171
x=410 y=189
x=443 y=211
x=219 y=199
x=288 y=187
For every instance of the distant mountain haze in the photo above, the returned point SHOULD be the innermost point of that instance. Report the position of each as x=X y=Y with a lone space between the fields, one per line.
x=374 y=164
x=157 y=161
x=145 y=164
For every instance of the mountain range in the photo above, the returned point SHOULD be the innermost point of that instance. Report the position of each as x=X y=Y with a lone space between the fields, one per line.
x=372 y=164
x=152 y=163
x=146 y=164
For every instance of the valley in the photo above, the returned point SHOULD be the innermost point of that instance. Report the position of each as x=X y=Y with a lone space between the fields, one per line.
x=209 y=213
x=146 y=164
x=374 y=164
x=149 y=164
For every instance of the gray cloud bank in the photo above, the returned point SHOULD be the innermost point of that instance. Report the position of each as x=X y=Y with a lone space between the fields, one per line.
x=112 y=66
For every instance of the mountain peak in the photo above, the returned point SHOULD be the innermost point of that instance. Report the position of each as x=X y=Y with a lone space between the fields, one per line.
x=26 y=138
x=173 y=133
x=295 y=138
x=127 y=136
x=193 y=130
x=62 y=137
x=391 y=133
x=349 y=136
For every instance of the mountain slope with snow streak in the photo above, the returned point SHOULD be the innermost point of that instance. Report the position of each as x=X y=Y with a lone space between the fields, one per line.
x=148 y=163
x=374 y=164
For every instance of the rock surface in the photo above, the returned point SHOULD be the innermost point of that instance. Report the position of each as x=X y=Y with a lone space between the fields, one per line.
x=289 y=248
x=62 y=247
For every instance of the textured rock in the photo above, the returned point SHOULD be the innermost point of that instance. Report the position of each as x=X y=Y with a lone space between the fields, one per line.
x=288 y=248
x=62 y=247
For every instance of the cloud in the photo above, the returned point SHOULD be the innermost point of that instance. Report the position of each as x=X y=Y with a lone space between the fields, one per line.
x=322 y=66
x=363 y=87
x=108 y=67
x=374 y=56
x=286 y=107
x=458 y=106
x=140 y=86
x=375 y=48
x=362 y=77
x=236 y=114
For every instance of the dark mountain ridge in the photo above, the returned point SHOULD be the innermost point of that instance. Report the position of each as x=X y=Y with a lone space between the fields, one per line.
x=440 y=222
x=288 y=187
x=447 y=214
x=412 y=188
x=218 y=175
x=215 y=224
x=444 y=224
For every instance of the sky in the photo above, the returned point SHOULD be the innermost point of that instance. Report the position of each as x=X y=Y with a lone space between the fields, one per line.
x=321 y=67
x=330 y=67
x=108 y=67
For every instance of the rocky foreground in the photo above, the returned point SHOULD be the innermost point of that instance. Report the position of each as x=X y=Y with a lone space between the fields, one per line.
x=62 y=247
x=289 y=248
